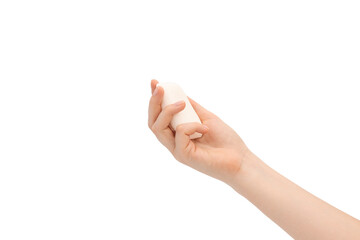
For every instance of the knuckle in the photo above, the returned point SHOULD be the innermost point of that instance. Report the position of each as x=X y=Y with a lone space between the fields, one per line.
x=168 y=110
x=153 y=128
x=181 y=158
x=178 y=156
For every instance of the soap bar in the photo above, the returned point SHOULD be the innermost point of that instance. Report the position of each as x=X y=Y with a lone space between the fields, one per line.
x=173 y=93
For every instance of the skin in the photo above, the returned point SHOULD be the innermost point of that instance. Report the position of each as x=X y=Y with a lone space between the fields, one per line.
x=221 y=153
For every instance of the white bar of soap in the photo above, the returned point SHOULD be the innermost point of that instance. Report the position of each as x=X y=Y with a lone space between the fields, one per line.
x=173 y=93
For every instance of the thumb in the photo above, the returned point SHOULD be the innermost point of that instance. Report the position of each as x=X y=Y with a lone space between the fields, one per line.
x=201 y=111
x=183 y=142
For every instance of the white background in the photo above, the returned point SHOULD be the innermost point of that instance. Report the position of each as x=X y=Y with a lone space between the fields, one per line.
x=77 y=160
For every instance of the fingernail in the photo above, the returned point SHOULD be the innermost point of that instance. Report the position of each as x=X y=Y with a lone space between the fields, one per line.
x=156 y=91
x=179 y=103
x=206 y=127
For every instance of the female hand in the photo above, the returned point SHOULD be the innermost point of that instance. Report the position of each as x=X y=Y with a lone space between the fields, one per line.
x=218 y=153
x=222 y=154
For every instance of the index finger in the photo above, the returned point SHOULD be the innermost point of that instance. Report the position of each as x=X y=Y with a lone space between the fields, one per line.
x=155 y=103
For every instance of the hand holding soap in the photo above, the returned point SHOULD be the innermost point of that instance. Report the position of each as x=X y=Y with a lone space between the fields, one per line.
x=173 y=93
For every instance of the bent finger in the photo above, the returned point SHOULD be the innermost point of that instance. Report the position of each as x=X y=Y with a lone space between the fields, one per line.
x=166 y=115
x=161 y=126
x=183 y=133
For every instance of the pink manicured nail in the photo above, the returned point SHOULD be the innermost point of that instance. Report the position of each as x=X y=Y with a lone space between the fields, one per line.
x=179 y=103
x=206 y=127
x=155 y=91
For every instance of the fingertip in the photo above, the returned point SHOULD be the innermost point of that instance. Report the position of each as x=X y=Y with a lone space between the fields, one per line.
x=180 y=104
x=182 y=107
x=195 y=105
x=192 y=102
x=159 y=91
x=153 y=84
x=202 y=112
x=202 y=129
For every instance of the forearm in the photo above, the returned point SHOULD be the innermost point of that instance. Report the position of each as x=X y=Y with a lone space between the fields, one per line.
x=299 y=213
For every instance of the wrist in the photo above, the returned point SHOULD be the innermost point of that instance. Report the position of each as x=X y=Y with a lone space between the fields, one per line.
x=251 y=167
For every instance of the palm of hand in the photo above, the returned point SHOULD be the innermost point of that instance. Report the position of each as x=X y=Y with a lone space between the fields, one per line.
x=217 y=153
